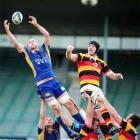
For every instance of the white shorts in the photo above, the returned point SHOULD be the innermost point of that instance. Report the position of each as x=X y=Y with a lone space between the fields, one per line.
x=96 y=91
x=62 y=99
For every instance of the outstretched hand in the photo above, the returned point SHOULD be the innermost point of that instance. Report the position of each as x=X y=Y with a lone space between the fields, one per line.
x=119 y=76
x=70 y=48
x=32 y=20
x=6 y=25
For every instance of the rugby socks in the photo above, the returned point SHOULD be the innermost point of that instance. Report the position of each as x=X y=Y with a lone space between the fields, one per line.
x=104 y=130
x=79 y=118
x=82 y=113
x=123 y=124
x=69 y=133
x=105 y=114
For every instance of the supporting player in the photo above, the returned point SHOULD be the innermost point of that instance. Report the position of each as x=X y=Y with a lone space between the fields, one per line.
x=128 y=125
x=90 y=67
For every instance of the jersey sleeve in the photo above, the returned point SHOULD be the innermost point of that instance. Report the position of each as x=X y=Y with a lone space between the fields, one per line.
x=41 y=133
x=84 y=130
x=46 y=48
x=39 y=130
x=80 y=57
x=106 y=70
x=25 y=52
x=56 y=124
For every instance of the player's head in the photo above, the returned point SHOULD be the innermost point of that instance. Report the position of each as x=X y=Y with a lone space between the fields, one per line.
x=93 y=47
x=49 y=122
x=32 y=44
x=133 y=119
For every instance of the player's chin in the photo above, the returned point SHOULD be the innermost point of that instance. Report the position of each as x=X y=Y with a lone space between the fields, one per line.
x=32 y=47
x=91 y=53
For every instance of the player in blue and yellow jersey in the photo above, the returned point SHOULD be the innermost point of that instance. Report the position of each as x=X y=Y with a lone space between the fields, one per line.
x=39 y=60
x=47 y=129
x=90 y=67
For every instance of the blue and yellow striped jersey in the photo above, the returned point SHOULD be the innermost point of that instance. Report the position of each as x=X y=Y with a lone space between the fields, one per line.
x=40 y=62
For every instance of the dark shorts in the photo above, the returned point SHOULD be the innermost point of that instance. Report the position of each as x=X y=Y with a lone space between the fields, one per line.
x=50 y=89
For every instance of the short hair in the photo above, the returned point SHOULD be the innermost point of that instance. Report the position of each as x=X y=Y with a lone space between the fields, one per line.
x=97 y=45
x=135 y=120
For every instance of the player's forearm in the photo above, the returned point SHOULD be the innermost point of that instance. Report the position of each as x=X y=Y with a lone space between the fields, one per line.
x=70 y=56
x=112 y=111
x=41 y=123
x=43 y=110
x=66 y=121
x=89 y=110
x=42 y=30
x=12 y=38
x=89 y=113
x=17 y=45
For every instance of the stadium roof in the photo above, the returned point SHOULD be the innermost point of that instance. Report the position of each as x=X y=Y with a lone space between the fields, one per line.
x=71 y=7
x=71 y=13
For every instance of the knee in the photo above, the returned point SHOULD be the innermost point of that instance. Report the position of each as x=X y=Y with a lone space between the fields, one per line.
x=55 y=107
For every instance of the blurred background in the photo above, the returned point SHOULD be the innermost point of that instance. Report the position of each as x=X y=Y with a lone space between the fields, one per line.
x=115 y=24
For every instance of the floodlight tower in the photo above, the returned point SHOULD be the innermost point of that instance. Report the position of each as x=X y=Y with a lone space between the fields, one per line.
x=89 y=2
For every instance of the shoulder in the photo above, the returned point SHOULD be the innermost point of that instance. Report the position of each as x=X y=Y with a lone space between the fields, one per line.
x=45 y=46
x=82 y=55
x=40 y=131
x=56 y=124
x=101 y=61
x=26 y=49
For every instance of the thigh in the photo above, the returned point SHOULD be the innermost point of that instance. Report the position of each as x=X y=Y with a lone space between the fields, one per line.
x=61 y=94
x=97 y=92
x=58 y=89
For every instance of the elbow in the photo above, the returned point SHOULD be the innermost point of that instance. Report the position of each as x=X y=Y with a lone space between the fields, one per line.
x=66 y=55
x=47 y=34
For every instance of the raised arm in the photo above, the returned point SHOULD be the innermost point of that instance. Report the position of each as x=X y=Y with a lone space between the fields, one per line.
x=89 y=111
x=42 y=30
x=114 y=114
x=41 y=123
x=18 y=46
x=69 y=55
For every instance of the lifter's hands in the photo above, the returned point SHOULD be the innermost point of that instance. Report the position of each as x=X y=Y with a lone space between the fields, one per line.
x=32 y=20
x=6 y=25
x=86 y=96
